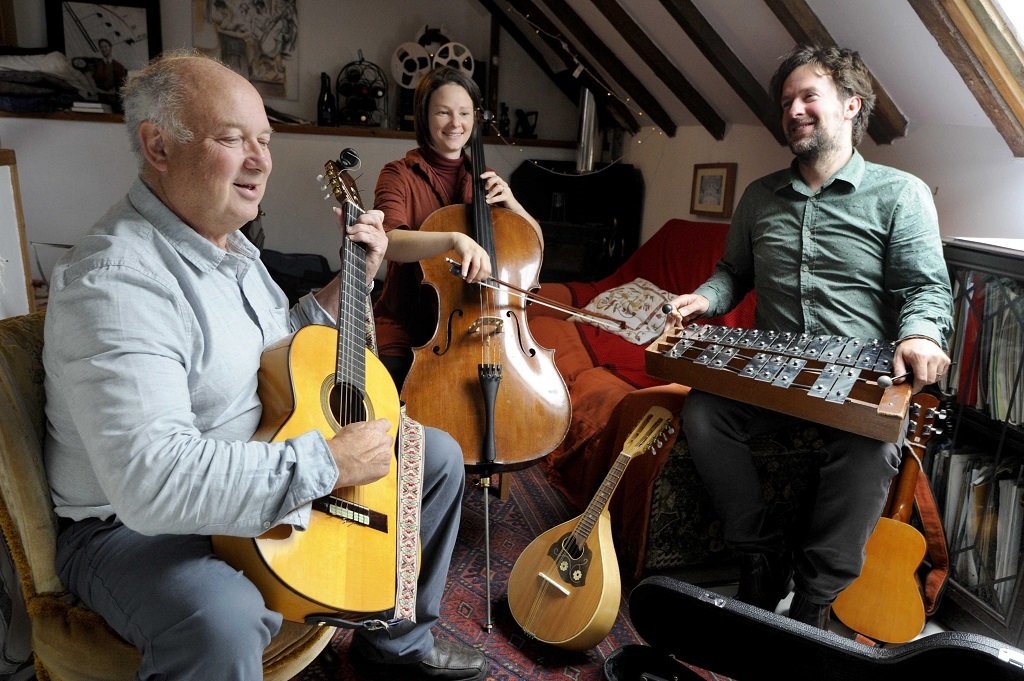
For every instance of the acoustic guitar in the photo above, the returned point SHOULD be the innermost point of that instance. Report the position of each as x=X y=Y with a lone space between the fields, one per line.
x=884 y=603
x=321 y=378
x=564 y=589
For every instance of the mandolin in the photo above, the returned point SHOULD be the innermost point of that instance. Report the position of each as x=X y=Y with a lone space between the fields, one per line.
x=321 y=378
x=564 y=589
x=884 y=603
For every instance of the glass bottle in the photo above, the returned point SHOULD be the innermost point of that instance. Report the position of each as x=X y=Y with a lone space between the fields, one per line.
x=325 y=107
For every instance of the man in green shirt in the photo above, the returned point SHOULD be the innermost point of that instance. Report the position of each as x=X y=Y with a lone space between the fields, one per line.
x=832 y=245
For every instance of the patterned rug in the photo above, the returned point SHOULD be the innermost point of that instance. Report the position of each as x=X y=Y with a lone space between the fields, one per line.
x=533 y=507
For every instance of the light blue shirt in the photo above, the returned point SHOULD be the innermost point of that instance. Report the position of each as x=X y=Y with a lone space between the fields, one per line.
x=153 y=339
x=859 y=257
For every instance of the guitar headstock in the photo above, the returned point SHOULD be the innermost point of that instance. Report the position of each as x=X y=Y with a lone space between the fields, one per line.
x=648 y=431
x=339 y=183
x=925 y=420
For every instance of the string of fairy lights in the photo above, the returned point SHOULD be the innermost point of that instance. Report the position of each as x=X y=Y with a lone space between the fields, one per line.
x=643 y=133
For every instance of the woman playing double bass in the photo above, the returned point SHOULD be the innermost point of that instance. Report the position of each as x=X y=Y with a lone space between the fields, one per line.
x=436 y=174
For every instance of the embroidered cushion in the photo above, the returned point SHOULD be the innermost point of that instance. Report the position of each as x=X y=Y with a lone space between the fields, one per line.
x=637 y=304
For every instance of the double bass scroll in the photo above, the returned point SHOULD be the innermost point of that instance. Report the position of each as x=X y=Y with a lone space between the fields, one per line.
x=831 y=380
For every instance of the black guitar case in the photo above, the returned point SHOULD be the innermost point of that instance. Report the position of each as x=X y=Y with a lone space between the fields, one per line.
x=742 y=642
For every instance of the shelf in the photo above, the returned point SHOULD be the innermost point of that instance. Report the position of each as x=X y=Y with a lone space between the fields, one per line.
x=982 y=426
x=299 y=129
x=988 y=316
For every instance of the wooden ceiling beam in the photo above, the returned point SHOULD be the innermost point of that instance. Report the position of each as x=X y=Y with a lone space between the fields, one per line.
x=966 y=61
x=531 y=50
x=586 y=40
x=887 y=122
x=663 y=67
x=546 y=32
x=725 y=61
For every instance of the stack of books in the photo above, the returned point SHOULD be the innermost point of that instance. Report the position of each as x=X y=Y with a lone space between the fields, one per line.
x=91 y=107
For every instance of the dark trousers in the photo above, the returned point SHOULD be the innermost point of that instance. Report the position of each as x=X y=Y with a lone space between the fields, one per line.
x=852 y=486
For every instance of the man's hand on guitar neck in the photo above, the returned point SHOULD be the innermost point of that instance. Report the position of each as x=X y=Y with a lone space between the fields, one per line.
x=923 y=358
x=363 y=452
x=368 y=229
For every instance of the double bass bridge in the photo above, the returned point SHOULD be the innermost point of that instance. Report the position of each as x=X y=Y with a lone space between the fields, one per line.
x=487 y=326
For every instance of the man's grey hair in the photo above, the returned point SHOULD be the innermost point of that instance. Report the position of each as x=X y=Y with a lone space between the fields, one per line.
x=158 y=94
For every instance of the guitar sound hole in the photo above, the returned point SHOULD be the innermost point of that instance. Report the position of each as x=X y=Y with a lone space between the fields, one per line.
x=347 y=404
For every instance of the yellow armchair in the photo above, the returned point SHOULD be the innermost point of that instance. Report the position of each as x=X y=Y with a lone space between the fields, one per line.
x=70 y=642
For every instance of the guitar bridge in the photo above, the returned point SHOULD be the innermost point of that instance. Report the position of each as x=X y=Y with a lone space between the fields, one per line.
x=343 y=509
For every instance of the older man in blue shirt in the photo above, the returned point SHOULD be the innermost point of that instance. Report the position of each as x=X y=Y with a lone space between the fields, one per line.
x=156 y=323
x=832 y=245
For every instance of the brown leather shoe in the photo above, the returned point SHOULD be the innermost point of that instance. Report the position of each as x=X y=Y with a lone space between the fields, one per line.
x=447 y=660
x=809 y=612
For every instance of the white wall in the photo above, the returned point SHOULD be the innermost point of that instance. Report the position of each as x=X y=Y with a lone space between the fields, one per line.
x=978 y=185
x=72 y=172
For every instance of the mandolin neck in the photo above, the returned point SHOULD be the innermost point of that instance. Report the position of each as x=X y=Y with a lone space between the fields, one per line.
x=597 y=505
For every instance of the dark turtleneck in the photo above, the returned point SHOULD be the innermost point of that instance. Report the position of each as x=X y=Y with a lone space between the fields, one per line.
x=449 y=171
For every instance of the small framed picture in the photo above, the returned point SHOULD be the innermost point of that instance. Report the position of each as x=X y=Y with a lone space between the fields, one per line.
x=713 y=186
x=105 y=40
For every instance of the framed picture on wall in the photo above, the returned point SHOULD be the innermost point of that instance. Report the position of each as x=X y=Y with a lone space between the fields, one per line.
x=105 y=40
x=713 y=187
x=257 y=40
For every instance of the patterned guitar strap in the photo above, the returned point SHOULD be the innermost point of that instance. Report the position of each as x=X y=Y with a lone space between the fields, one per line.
x=410 y=483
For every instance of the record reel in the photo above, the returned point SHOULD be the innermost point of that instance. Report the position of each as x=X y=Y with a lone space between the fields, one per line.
x=456 y=56
x=409 y=64
x=361 y=88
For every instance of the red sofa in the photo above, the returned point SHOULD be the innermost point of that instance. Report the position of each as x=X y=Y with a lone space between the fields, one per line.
x=608 y=386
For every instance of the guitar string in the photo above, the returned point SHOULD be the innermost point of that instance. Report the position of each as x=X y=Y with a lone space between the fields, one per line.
x=352 y=347
x=489 y=352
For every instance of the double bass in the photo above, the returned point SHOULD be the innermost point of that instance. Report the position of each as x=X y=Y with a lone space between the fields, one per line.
x=481 y=376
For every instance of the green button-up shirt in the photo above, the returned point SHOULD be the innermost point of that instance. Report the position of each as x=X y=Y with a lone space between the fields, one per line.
x=860 y=257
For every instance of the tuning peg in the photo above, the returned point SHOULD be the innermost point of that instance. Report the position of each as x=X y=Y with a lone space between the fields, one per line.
x=327 y=195
x=320 y=177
